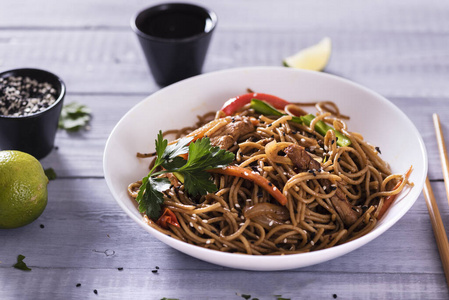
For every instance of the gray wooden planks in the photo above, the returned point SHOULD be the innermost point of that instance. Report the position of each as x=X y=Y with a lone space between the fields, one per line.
x=398 y=49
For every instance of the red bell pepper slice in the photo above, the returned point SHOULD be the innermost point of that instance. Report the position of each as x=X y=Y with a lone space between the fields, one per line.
x=234 y=104
x=168 y=217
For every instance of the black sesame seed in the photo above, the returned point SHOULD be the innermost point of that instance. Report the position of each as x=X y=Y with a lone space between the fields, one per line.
x=120 y=269
x=95 y=292
x=154 y=271
x=78 y=284
x=270 y=184
x=333 y=188
x=42 y=226
x=157 y=268
x=335 y=296
x=269 y=125
x=378 y=150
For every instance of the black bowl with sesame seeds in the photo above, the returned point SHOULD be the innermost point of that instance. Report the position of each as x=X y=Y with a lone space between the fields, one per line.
x=30 y=105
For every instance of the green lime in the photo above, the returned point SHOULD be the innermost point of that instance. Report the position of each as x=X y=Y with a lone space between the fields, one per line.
x=313 y=58
x=23 y=189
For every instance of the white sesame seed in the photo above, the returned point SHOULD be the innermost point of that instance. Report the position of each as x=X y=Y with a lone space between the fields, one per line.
x=237 y=205
x=312 y=243
x=285 y=241
x=208 y=241
x=303 y=140
x=191 y=224
x=271 y=223
x=205 y=221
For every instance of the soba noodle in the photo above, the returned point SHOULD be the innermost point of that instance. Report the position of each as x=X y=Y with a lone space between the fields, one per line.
x=244 y=218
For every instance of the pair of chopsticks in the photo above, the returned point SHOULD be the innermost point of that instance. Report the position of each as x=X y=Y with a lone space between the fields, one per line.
x=435 y=217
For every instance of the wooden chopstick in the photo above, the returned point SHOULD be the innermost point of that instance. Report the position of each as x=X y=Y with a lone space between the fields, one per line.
x=434 y=213
x=443 y=152
x=438 y=228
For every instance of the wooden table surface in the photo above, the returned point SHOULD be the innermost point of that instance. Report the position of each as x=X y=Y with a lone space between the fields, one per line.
x=397 y=48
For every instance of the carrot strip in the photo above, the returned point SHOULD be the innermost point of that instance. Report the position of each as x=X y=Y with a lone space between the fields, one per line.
x=254 y=177
x=390 y=199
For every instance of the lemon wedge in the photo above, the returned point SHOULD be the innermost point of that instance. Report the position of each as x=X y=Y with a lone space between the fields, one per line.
x=313 y=58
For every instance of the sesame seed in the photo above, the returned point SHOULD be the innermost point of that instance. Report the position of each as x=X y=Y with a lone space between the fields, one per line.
x=271 y=223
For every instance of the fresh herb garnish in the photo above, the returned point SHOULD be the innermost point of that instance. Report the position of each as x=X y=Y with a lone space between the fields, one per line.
x=21 y=265
x=202 y=156
x=50 y=173
x=74 y=116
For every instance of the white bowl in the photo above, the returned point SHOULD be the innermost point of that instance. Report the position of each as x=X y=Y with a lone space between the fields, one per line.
x=377 y=119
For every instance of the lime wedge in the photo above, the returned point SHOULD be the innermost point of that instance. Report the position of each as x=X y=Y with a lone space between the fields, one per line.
x=313 y=58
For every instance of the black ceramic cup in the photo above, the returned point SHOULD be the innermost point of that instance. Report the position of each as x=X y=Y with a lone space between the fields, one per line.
x=34 y=133
x=174 y=38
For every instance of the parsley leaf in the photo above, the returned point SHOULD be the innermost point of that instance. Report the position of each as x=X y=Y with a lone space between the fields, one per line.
x=198 y=183
x=21 y=265
x=202 y=156
x=74 y=116
x=50 y=173
x=153 y=198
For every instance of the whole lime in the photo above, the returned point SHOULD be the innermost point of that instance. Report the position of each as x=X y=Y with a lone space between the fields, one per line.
x=23 y=189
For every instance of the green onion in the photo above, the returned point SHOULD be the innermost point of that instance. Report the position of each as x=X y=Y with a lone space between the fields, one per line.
x=320 y=126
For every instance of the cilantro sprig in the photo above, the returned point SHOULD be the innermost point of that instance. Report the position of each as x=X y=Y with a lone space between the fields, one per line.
x=202 y=156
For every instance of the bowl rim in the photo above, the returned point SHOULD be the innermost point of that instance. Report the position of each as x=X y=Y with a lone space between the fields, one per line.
x=23 y=72
x=331 y=253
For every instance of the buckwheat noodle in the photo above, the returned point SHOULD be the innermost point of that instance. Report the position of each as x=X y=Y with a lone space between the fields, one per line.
x=241 y=217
